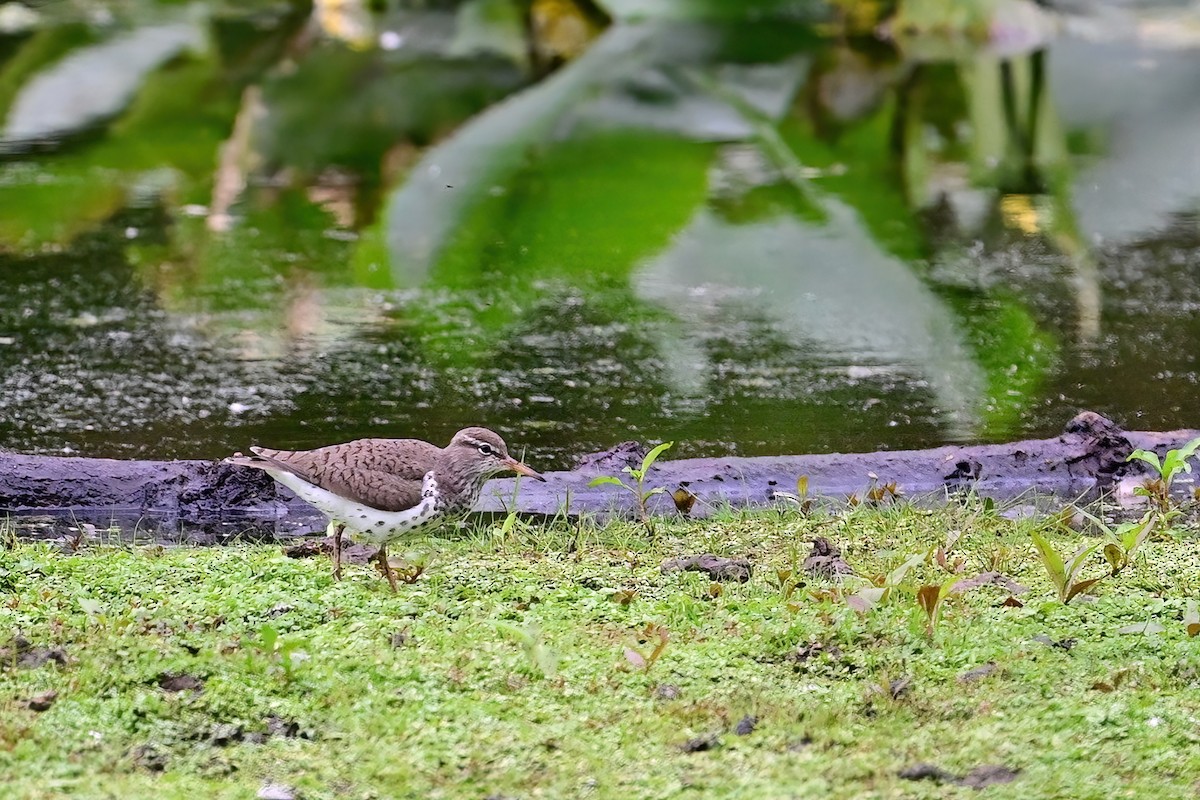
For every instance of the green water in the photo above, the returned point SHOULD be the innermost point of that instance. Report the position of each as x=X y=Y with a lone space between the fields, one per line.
x=751 y=233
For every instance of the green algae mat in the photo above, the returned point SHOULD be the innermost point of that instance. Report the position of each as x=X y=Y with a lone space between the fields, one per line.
x=561 y=660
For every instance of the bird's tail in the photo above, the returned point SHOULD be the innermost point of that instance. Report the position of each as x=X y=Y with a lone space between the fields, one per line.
x=259 y=460
x=245 y=461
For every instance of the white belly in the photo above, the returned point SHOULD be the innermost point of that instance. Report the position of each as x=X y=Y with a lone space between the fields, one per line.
x=363 y=522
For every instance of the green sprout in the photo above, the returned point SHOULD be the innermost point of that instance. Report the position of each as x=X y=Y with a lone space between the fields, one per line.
x=542 y=659
x=638 y=487
x=272 y=647
x=931 y=597
x=1126 y=538
x=1158 y=490
x=1064 y=573
x=882 y=587
x=645 y=660
x=800 y=498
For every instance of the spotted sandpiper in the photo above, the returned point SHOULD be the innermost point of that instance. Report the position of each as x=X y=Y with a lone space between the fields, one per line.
x=381 y=489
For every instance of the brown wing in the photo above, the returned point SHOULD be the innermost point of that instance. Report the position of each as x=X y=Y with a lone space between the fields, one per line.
x=382 y=473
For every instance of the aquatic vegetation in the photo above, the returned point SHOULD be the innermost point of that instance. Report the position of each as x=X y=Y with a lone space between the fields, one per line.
x=184 y=674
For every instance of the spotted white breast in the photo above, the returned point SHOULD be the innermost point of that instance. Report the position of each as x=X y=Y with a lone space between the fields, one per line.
x=362 y=522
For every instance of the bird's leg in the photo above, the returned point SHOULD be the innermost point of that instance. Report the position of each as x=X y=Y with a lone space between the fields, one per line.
x=337 y=551
x=385 y=567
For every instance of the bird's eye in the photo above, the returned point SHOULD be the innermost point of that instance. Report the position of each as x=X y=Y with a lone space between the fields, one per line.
x=486 y=449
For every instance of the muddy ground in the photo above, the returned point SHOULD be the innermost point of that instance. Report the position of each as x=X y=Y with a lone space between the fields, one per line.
x=208 y=502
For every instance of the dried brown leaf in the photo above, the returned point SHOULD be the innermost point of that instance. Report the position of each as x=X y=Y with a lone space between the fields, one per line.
x=858 y=603
x=684 y=500
x=1115 y=557
x=1079 y=588
x=990 y=579
x=927 y=599
x=624 y=596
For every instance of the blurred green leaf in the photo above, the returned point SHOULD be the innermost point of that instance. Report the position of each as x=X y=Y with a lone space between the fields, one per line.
x=100 y=80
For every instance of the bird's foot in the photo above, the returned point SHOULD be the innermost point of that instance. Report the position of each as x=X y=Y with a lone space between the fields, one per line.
x=381 y=560
x=337 y=551
x=406 y=569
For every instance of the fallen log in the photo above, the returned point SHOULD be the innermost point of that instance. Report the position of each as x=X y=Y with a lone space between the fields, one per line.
x=211 y=501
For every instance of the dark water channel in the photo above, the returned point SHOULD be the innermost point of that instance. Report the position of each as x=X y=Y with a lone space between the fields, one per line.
x=760 y=236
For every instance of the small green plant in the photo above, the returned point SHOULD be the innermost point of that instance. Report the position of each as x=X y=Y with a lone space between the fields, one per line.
x=410 y=566
x=1115 y=681
x=638 y=487
x=999 y=559
x=272 y=647
x=501 y=534
x=942 y=555
x=930 y=599
x=1158 y=490
x=1124 y=539
x=883 y=586
x=512 y=522
x=1064 y=574
x=8 y=535
x=785 y=582
x=96 y=611
x=624 y=597
x=541 y=658
x=800 y=498
x=17 y=567
x=889 y=690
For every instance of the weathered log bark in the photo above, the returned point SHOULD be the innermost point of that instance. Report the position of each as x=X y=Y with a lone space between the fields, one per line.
x=1088 y=457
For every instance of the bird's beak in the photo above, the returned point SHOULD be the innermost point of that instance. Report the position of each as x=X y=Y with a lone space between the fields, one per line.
x=521 y=469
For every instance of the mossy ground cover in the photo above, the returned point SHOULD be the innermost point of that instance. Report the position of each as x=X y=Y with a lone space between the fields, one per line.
x=510 y=668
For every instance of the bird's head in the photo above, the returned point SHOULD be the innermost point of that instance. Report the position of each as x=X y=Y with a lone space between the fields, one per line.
x=486 y=451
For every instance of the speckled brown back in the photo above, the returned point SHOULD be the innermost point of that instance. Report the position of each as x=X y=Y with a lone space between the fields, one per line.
x=381 y=473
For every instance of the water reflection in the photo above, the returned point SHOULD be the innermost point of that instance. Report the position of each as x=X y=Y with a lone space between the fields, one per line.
x=871 y=313
x=275 y=226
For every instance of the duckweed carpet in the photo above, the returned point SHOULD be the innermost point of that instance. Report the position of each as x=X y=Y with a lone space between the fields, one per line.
x=561 y=661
